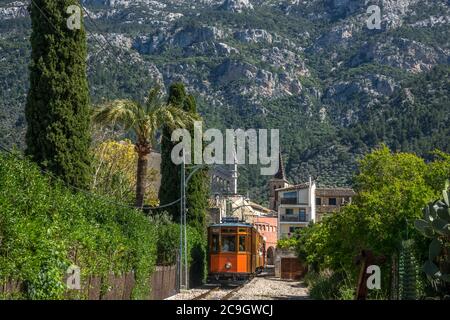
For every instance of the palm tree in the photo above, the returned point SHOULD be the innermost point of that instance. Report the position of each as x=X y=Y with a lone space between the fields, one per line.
x=144 y=121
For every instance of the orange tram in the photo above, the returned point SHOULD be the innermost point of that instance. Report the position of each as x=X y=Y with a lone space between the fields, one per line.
x=236 y=251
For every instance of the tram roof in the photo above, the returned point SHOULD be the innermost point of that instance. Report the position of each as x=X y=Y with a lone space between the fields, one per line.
x=232 y=224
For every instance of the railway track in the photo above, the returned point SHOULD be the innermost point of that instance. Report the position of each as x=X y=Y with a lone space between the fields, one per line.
x=206 y=294
x=232 y=292
x=219 y=293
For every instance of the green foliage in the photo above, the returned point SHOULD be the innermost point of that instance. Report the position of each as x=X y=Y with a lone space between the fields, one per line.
x=57 y=108
x=197 y=190
x=391 y=187
x=143 y=121
x=326 y=285
x=409 y=283
x=435 y=225
x=168 y=245
x=404 y=122
x=169 y=190
x=289 y=243
x=45 y=228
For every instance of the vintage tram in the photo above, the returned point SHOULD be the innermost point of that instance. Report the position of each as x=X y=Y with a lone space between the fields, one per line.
x=236 y=251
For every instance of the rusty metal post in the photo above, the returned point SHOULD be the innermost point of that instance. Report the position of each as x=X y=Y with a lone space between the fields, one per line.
x=365 y=259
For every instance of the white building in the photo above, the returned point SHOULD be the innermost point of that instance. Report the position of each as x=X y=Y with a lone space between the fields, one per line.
x=296 y=208
x=298 y=205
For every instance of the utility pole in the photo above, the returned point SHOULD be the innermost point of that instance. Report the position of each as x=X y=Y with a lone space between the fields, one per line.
x=183 y=169
x=183 y=259
x=183 y=224
x=180 y=256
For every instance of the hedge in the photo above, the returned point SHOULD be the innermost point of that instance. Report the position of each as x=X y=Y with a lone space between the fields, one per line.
x=45 y=227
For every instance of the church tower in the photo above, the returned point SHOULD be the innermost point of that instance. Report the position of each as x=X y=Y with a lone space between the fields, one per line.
x=278 y=181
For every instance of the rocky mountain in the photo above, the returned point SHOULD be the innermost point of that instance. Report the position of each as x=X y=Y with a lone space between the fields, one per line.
x=334 y=86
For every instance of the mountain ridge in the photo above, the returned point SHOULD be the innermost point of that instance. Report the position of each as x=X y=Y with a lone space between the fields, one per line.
x=310 y=68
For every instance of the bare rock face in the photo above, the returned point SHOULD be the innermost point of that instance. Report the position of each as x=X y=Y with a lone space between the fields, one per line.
x=406 y=54
x=237 y=5
x=253 y=36
x=14 y=10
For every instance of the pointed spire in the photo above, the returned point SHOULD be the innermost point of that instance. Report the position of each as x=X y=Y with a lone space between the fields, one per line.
x=280 y=174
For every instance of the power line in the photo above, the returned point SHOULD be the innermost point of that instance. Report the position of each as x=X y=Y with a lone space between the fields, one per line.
x=43 y=14
x=89 y=32
x=99 y=31
x=50 y=174
x=115 y=55
x=56 y=29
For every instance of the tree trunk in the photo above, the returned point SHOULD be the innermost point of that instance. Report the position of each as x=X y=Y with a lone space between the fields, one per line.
x=143 y=151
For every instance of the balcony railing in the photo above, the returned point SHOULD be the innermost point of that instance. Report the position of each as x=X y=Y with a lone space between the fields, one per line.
x=294 y=218
x=288 y=200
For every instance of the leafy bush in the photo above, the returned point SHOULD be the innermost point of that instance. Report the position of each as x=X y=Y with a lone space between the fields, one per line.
x=392 y=188
x=290 y=243
x=328 y=285
x=169 y=243
x=45 y=228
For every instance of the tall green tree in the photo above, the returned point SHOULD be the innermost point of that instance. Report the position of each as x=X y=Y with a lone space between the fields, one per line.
x=197 y=190
x=57 y=109
x=143 y=121
x=392 y=188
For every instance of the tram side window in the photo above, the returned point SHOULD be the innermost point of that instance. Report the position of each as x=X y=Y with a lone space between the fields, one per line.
x=228 y=243
x=242 y=243
x=215 y=243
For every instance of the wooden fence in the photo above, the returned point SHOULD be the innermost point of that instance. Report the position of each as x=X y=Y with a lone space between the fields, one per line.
x=118 y=287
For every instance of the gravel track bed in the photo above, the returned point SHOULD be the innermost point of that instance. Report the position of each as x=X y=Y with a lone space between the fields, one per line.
x=259 y=288
x=189 y=294
x=271 y=288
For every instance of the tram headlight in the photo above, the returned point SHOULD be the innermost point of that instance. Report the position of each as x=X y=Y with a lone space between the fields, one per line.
x=228 y=265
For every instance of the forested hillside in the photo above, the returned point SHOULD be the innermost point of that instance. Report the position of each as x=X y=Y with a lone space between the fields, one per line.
x=313 y=69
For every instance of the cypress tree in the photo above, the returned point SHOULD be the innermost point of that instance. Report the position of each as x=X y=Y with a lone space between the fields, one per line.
x=169 y=190
x=197 y=190
x=57 y=108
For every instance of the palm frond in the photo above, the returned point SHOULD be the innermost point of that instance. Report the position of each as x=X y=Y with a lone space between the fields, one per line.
x=122 y=112
x=153 y=99
x=144 y=120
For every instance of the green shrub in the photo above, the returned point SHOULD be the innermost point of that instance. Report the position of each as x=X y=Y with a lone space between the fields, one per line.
x=323 y=285
x=288 y=243
x=168 y=246
x=328 y=285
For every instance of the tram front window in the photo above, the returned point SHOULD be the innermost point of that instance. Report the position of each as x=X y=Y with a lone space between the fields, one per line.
x=228 y=243
x=242 y=243
x=215 y=243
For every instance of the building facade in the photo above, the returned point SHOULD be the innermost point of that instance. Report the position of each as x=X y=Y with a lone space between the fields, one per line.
x=296 y=208
x=299 y=205
x=330 y=200
x=267 y=225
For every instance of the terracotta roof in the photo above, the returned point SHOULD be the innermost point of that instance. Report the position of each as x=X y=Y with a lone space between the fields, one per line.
x=335 y=192
x=295 y=187
x=260 y=207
